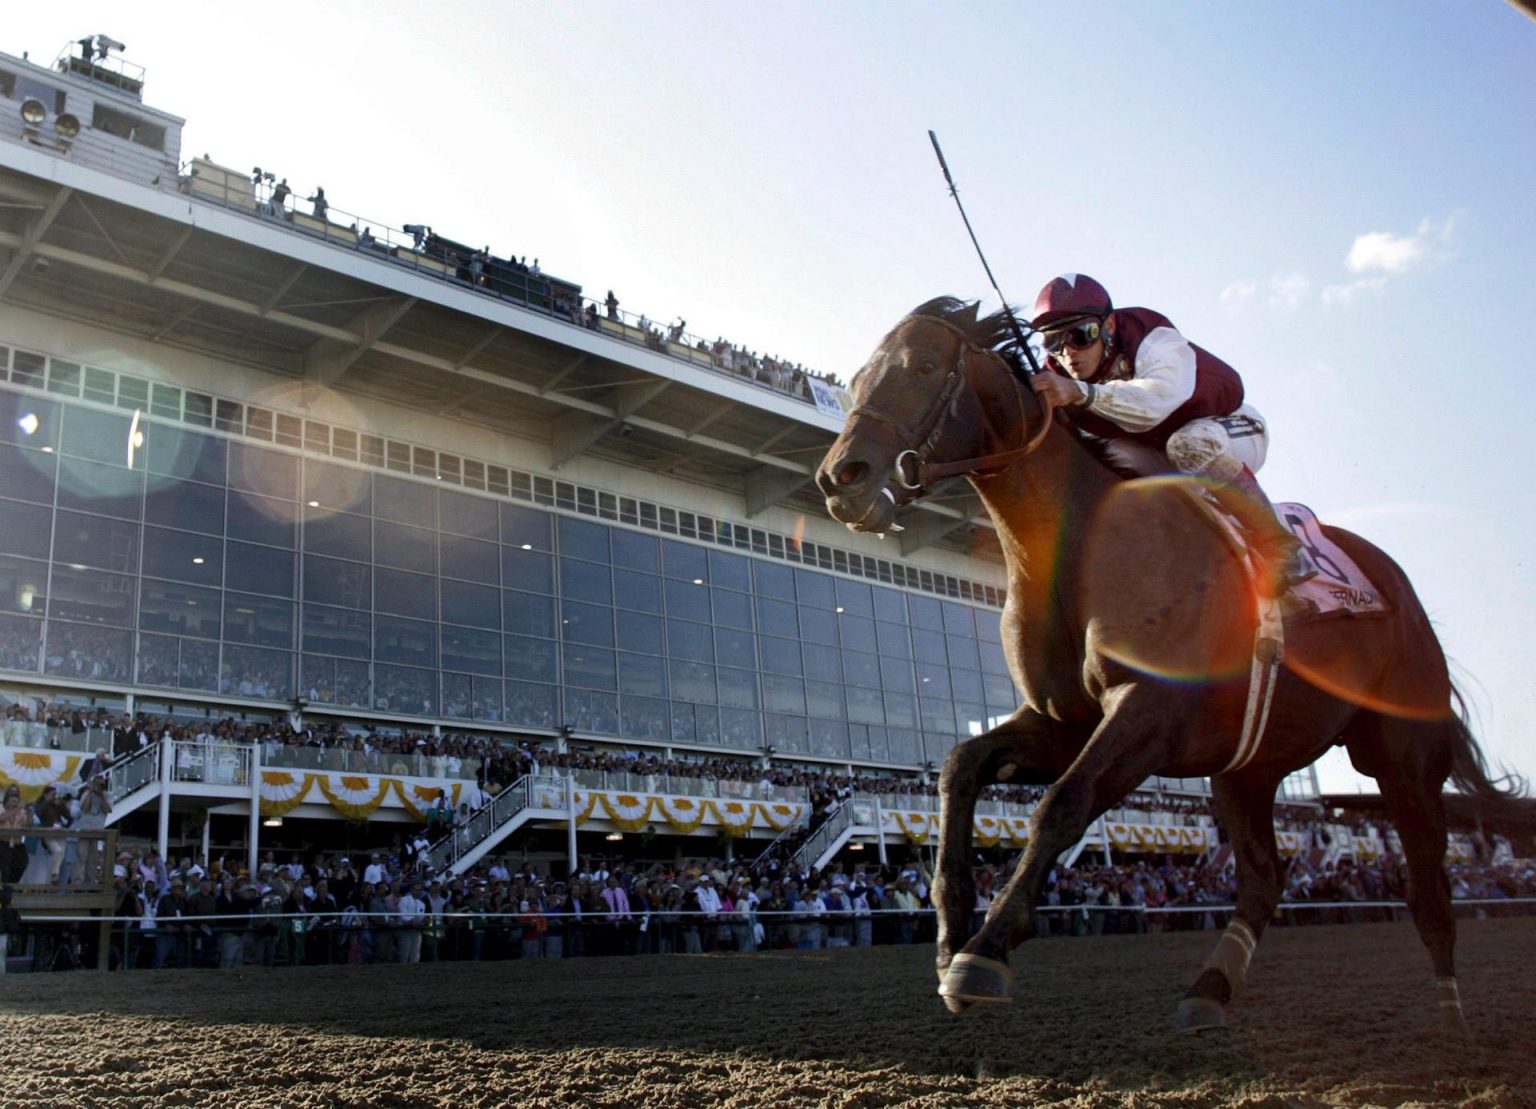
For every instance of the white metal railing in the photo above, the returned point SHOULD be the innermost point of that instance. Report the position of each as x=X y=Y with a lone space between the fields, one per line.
x=926 y=803
x=779 y=844
x=822 y=838
x=134 y=772
x=347 y=761
x=537 y=790
x=426 y=254
x=616 y=781
x=212 y=762
x=57 y=737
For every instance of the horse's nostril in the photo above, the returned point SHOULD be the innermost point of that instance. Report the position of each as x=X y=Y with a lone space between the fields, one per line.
x=850 y=473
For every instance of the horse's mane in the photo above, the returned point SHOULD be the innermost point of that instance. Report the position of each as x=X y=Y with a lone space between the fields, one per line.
x=994 y=332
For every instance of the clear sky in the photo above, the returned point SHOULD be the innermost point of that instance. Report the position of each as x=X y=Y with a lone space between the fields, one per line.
x=1339 y=199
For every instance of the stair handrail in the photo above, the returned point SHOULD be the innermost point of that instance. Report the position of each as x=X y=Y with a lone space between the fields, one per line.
x=783 y=837
x=816 y=842
x=482 y=822
x=127 y=775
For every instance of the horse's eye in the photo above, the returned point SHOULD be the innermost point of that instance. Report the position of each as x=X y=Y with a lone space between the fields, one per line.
x=924 y=366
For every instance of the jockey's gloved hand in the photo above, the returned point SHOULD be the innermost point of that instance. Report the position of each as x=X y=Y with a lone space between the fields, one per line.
x=1060 y=390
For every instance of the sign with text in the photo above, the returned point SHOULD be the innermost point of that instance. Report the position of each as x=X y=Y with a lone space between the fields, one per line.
x=831 y=399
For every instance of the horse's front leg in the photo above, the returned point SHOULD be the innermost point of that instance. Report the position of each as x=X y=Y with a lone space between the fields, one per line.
x=1129 y=745
x=1026 y=749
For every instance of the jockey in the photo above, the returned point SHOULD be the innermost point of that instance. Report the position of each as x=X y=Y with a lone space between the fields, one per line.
x=1147 y=397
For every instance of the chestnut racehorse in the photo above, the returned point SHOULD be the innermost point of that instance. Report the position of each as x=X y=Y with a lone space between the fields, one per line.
x=1129 y=630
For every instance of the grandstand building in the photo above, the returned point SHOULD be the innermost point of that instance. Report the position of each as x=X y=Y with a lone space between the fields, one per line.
x=274 y=463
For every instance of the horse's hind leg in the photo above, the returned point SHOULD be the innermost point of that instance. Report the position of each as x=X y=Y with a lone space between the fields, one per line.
x=1411 y=774
x=1245 y=804
x=1024 y=749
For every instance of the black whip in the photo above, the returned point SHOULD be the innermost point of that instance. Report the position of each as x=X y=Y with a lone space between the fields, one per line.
x=1013 y=321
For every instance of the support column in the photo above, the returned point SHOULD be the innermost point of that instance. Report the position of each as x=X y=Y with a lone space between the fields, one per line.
x=253 y=827
x=207 y=838
x=880 y=829
x=163 y=842
x=570 y=822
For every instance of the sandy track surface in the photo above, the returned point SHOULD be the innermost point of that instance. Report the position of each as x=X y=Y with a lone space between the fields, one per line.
x=1334 y=1016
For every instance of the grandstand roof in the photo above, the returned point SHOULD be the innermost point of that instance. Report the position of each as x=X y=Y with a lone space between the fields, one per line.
x=1461 y=811
x=149 y=253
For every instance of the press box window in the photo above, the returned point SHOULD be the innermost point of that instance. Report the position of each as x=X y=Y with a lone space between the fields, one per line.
x=129 y=127
x=28 y=369
x=100 y=385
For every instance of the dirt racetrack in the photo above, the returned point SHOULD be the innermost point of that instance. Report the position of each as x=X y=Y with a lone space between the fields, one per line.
x=1335 y=1016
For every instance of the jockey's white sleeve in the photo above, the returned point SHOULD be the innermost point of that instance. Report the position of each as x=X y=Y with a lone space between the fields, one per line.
x=1163 y=379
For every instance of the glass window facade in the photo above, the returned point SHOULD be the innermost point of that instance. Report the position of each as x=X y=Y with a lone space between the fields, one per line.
x=188 y=561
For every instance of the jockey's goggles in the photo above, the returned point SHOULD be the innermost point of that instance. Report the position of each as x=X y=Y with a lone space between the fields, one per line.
x=1080 y=335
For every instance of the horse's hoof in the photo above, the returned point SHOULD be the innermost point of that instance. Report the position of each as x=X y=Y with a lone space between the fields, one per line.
x=973 y=978
x=957 y=1005
x=1200 y=1014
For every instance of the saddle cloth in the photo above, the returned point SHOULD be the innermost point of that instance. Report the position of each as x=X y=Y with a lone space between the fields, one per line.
x=1339 y=587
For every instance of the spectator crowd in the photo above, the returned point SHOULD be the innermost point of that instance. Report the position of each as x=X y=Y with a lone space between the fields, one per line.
x=392 y=907
x=498 y=760
x=388 y=907
x=480 y=267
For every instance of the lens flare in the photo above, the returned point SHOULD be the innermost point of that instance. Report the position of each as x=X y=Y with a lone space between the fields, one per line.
x=1168 y=603
x=135 y=436
x=1352 y=669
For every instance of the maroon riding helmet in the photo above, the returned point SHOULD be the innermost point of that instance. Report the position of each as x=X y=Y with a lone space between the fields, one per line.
x=1071 y=296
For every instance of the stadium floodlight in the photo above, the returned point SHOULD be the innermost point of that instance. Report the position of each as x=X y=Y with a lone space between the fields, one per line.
x=66 y=129
x=33 y=112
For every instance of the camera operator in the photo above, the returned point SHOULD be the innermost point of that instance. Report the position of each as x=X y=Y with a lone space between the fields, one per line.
x=135 y=905
x=94 y=807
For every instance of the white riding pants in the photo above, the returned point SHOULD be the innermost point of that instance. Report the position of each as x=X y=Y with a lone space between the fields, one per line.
x=1220 y=446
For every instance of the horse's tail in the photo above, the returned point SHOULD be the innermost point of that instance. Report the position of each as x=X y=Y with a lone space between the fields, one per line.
x=1507 y=796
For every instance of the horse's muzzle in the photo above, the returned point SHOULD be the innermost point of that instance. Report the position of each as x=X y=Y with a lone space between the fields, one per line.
x=859 y=491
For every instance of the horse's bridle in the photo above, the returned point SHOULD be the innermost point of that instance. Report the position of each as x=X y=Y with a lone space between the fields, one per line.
x=916 y=445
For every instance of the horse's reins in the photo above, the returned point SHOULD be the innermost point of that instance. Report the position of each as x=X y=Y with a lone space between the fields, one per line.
x=916 y=444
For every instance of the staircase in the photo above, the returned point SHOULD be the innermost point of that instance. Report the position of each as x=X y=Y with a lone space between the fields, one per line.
x=822 y=845
x=530 y=797
x=134 y=782
x=779 y=846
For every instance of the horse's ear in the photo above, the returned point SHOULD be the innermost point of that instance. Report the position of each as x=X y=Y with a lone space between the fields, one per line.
x=968 y=313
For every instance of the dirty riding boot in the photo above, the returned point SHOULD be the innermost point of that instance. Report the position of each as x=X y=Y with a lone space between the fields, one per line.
x=1279 y=550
